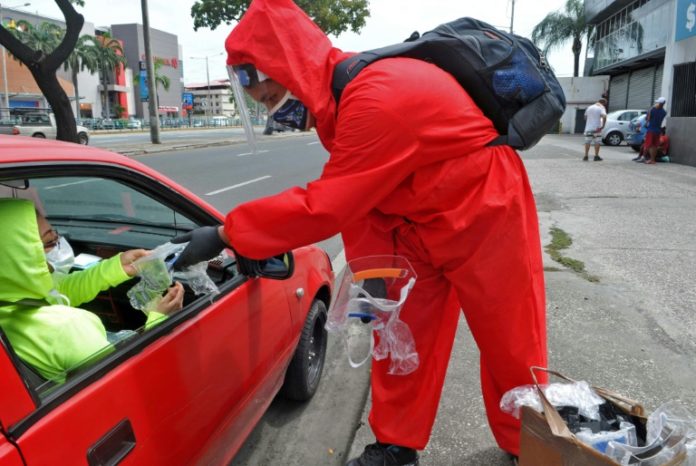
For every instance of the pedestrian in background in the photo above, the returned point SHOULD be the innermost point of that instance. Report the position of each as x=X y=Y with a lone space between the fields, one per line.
x=654 y=123
x=595 y=119
x=410 y=173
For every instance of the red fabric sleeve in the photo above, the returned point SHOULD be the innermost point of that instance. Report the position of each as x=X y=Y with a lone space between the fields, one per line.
x=371 y=156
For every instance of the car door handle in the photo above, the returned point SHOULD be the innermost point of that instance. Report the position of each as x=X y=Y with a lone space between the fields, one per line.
x=112 y=447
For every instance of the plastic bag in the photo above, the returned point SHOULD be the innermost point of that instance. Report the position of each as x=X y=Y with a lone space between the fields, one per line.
x=671 y=430
x=366 y=309
x=156 y=276
x=577 y=394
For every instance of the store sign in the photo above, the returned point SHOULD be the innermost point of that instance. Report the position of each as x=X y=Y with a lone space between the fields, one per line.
x=187 y=100
x=144 y=90
x=173 y=62
x=686 y=19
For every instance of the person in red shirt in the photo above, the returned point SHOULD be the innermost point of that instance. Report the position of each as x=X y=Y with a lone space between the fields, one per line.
x=410 y=173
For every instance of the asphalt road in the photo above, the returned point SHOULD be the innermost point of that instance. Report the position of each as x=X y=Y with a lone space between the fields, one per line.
x=109 y=139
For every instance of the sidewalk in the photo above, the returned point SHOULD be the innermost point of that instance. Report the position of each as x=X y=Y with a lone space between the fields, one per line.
x=633 y=331
x=199 y=139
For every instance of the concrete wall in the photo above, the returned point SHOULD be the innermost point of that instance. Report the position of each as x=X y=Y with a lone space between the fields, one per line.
x=164 y=45
x=681 y=138
x=580 y=93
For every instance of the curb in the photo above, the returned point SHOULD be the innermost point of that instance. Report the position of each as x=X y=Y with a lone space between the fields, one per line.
x=155 y=148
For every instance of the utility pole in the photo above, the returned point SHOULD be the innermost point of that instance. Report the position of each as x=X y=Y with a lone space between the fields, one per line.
x=512 y=16
x=151 y=84
x=208 y=100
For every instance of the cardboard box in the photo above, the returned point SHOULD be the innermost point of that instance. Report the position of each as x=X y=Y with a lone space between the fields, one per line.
x=547 y=441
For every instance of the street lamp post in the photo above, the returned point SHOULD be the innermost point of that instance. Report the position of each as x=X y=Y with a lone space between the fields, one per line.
x=207 y=78
x=6 y=99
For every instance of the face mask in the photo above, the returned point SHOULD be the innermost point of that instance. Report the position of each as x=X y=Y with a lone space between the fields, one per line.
x=61 y=258
x=290 y=112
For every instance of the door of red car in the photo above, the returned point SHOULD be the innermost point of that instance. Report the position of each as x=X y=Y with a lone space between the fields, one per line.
x=179 y=393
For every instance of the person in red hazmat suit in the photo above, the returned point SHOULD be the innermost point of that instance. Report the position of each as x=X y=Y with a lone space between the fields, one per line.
x=409 y=174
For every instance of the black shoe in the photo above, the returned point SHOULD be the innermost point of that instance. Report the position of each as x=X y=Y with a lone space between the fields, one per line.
x=597 y=158
x=385 y=454
x=584 y=159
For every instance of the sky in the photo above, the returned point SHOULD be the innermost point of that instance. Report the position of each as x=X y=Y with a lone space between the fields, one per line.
x=390 y=21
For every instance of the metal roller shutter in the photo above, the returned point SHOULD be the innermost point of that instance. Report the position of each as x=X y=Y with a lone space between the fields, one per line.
x=640 y=89
x=657 y=87
x=618 y=88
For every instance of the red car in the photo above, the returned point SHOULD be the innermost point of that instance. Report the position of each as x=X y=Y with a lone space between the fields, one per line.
x=189 y=390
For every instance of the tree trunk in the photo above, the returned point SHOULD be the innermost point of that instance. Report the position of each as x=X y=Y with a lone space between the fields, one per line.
x=43 y=68
x=577 y=48
x=78 y=115
x=58 y=100
x=106 y=109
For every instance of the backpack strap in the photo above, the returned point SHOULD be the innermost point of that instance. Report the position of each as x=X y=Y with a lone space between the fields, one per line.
x=500 y=140
x=346 y=70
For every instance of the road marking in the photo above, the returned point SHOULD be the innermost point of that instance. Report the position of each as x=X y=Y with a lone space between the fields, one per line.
x=312 y=143
x=218 y=191
x=69 y=184
x=251 y=153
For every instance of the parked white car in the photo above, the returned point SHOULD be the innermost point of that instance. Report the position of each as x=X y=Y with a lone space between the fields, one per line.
x=616 y=129
x=43 y=125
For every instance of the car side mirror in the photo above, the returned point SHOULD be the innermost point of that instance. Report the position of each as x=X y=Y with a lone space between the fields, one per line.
x=278 y=267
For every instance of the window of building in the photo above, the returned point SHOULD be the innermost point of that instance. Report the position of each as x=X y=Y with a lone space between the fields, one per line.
x=684 y=90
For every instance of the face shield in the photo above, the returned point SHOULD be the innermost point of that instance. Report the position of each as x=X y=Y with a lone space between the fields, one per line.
x=365 y=312
x=242 y=110
x=282 y=106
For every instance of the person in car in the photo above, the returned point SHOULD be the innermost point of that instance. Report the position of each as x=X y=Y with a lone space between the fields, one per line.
x=37 y=314
x=410 y=173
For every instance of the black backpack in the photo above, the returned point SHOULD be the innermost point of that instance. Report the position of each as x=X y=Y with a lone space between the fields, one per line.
x=505 y=74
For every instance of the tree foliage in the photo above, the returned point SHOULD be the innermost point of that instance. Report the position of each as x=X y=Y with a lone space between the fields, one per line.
x=332 y=16
x=43 y=64
x=557 y=28
x=109 y=55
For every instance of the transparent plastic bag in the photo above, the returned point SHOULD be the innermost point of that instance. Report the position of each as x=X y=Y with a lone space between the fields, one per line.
x=156 y=276
x=600 y=440
x=578 y=394
x=667 y=445
x=366 y=309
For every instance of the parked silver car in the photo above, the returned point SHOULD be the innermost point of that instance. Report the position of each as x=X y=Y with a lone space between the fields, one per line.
x=616 y=129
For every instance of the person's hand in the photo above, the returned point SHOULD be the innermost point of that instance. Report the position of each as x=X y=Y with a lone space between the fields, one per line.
x=128 y=257
x=172 y=301
x=204 y=244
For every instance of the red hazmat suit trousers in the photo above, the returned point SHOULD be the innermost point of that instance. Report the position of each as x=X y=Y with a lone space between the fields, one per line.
x=491 y=268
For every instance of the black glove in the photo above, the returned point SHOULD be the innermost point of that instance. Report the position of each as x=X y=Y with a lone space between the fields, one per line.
x=204 y=244
x=245 y=266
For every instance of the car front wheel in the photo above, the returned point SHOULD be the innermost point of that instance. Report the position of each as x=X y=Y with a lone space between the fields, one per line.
x=304 y=373
x=83 y=139
x=613 y=139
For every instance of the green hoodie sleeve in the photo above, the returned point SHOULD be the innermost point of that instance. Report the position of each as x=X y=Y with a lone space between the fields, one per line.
x=84 y=285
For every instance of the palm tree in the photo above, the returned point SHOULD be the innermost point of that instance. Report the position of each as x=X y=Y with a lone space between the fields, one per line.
x=559 y=27
x=43 y=38
x=43 y=65
x=84 y=57
x=160 y=79
x=109 y=55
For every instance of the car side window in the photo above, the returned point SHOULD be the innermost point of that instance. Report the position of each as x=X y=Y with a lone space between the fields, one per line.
x=101 y=217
